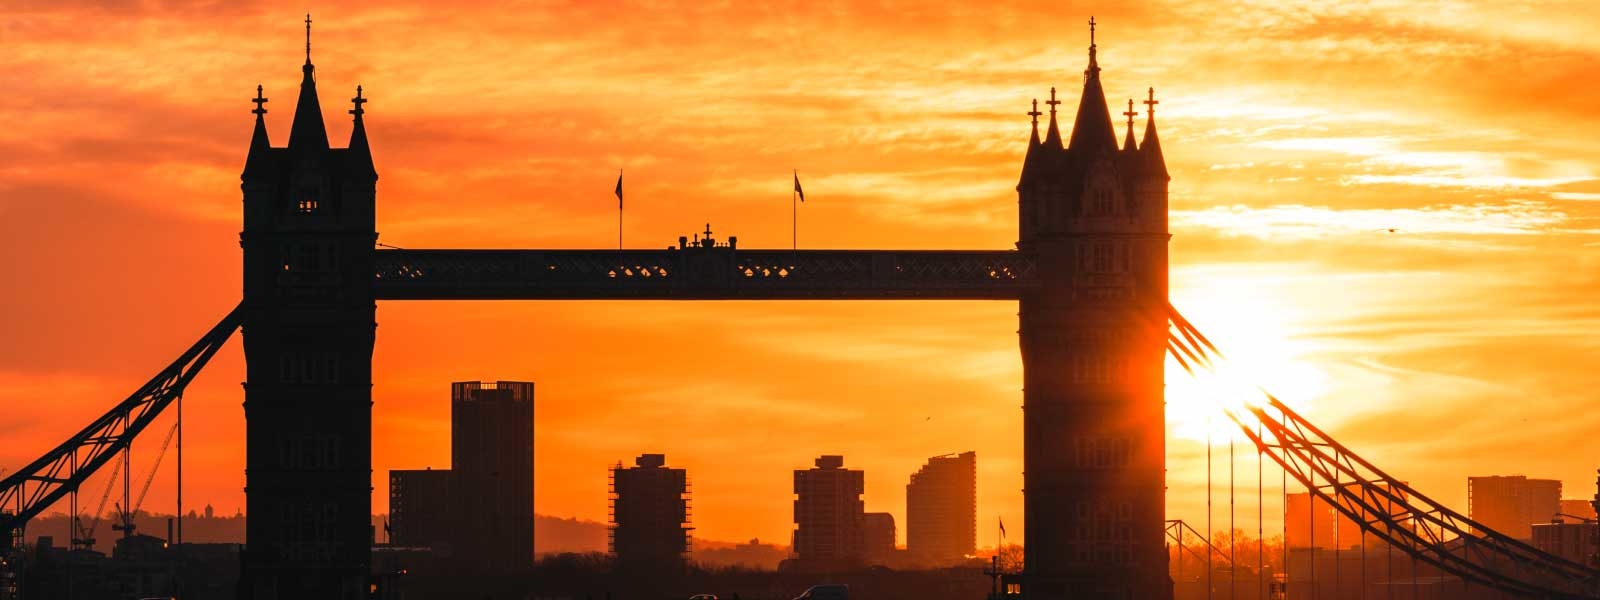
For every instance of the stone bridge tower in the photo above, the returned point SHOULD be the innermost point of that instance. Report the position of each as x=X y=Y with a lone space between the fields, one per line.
x=1093 y=349
x=309 y=231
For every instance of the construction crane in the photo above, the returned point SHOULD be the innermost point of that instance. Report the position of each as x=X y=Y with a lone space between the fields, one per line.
x=126 y=526
x=83 y=538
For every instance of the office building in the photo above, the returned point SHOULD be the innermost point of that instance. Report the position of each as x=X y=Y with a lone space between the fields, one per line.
x=877 y=537
x=420 y=511
x=649 y=514
x=942 y=509
x=1512 y=504
x=491 y=452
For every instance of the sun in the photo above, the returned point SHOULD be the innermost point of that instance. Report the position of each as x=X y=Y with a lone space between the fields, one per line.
x=1256 y=332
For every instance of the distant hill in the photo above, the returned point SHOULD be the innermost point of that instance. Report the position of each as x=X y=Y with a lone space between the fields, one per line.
x=550 y=535
x=555 y=534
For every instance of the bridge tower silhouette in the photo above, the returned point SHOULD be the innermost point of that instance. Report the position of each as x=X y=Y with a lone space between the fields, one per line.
x=1093 y=338
x=308 y=320
x=1089 y=272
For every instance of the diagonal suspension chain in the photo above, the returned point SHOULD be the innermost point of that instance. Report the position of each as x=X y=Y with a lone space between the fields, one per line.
x=32 y=489
x=1384 y=506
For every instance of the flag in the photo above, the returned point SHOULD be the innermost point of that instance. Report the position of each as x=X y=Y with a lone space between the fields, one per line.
x=1002 y=526
x=797 y=189
x=619 y=190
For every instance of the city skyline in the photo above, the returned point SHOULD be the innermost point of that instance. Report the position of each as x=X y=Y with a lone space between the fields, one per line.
x=1369 y=360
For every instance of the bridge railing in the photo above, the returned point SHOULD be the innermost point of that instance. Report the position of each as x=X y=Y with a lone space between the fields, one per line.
x=712 y=273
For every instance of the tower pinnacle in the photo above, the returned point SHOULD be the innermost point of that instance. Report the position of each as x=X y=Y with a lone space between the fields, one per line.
x=307 y=133
x=1128 y=143
x=1094 y=64
x=1093 y=130
x=1052 y=137
x=1035 y=114
x=360 y=153
x=260 y=101
x=1151 y=145
x=257 y=161
x=358 y=101
x=308 y=38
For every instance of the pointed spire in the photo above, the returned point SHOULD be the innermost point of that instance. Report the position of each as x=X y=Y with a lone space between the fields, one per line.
x=1127 y=144
x=1031 y=159
x=1052 y=137
x=260 y=146
x=1035 y=114
x=1152 y=144
x=360 y=154
x=1092 y=130
x=308 y=132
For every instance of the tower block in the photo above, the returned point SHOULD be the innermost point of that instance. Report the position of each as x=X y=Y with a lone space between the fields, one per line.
x=309 y=231
x=1093 y=339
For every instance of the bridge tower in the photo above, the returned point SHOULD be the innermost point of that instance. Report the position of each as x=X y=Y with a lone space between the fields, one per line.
x=1093 y=339
x=309 y=231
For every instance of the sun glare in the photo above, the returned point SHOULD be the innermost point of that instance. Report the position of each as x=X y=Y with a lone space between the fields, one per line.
x=1256 y=333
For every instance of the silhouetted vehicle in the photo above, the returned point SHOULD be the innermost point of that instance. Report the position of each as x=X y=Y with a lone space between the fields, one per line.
x=827 y=591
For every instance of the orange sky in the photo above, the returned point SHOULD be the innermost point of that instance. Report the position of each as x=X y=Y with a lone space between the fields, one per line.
x=1296 y=134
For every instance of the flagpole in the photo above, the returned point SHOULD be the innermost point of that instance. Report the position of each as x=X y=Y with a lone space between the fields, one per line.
x=794 y=219
x=619 y=210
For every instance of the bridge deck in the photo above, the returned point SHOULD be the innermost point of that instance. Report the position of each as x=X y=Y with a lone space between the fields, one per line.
x=702 y=273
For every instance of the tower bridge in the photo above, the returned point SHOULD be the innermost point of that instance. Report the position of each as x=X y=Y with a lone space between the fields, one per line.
x=1088 y=271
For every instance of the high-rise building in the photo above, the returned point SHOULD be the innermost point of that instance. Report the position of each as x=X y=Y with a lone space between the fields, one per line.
x=479 y=513
x=942 y=509
x=491 y=452
x=1512 y=504
x=828 y=512
x=649 y=514
x=877 y=537
x=420 y=509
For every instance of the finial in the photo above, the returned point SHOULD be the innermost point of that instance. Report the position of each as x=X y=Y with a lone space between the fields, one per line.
x=1130 y=114
x=1053 y=102
x=358 y=101
x=259 y=100
x=1091 y=31
x=308 y=38
x=1150 y=113
x=1035 y=112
